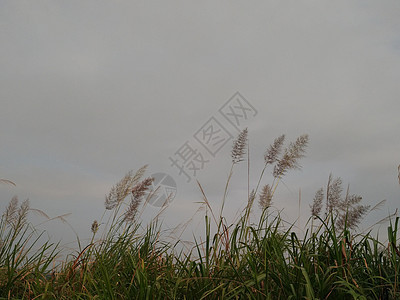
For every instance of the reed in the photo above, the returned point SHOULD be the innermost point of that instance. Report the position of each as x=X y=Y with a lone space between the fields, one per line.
x=259 y=258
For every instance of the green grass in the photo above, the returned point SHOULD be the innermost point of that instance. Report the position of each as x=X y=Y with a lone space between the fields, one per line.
x=256 y=261
x=250 y=259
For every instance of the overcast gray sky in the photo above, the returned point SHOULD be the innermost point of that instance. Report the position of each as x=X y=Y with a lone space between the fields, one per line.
x=92 y=89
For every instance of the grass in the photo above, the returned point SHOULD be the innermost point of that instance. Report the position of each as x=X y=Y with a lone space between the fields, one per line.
x=249 y=259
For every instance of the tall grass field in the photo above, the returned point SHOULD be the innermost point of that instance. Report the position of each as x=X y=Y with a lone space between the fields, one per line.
x=259 y=258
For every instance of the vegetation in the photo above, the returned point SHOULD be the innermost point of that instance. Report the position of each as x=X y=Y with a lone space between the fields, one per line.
x=263 y=259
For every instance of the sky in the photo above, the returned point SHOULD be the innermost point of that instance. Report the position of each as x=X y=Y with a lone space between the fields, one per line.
x=90 y=90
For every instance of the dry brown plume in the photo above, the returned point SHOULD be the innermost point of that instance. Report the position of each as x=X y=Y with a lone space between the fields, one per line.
x=138 y=192
x=239 y=147
x=123 y=188
x=291 y=156
x=265 y=199
x=6 y=181
x=274 y=150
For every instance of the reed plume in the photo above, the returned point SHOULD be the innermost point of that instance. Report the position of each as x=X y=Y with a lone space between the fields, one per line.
x=138 y=192
x=289 y=160
x=6 y=181
x=23 y=212
x=11 y=211
x=333 y=193
x=16 y=216
x=291 y=155
x=239 y=147
x=123 y=188
x=95 y=226
x=274 y=150
x=317 y=203
x=265 y=198
x=348 y=211
x=351 y=211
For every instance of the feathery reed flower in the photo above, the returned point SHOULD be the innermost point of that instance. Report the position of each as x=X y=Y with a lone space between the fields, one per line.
x=23 y=212
x=274 y=150
x=95 y=226
x=15 y=216
x=140 y=189
x=291 y=155
x=123 y=188
x=317 y=203
x=239 y=146
x=11 y=211
x=251 y=198
x=352 y=216
x=138 y=192
x=6 y=181
x=348 y=211
x=333 y=193
x=265 y=199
